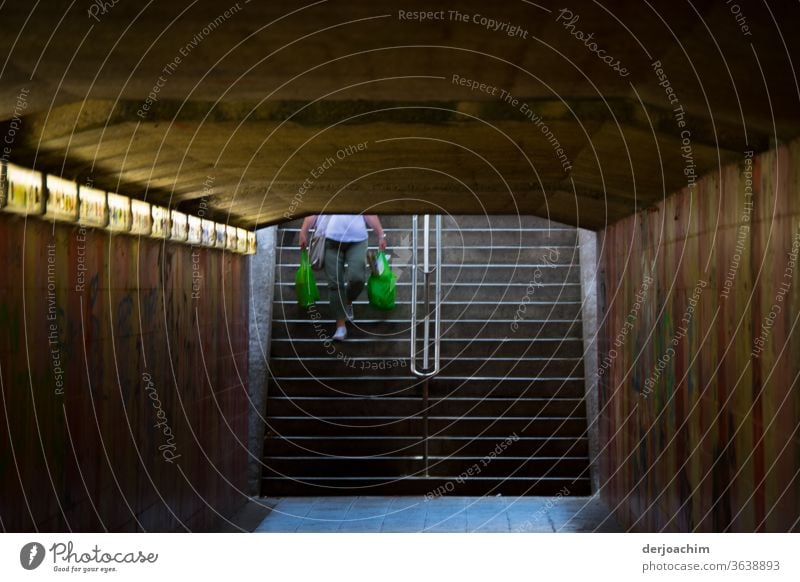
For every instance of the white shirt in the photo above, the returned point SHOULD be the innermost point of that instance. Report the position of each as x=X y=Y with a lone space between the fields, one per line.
x=346 y=227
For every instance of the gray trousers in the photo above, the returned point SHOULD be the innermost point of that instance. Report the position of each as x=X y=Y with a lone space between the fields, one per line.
x=345 y=283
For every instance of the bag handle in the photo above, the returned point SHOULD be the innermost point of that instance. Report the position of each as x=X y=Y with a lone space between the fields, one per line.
x=304 y=260
x=321 y=224
x=384 y=261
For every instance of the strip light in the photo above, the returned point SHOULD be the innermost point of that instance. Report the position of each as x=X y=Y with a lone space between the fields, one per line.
x=142 y=218
x=162 y=227
x=29 y=192
x=119 y=213
x=62 y=199
x=241 y=241
x=23 y=190
x=180 y=227
x=93 y=209
x=222 y=235
x=209 y=233
x=230 y=238
x=195 y=230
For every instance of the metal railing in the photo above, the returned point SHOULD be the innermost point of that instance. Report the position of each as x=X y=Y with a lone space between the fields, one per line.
x=426 y=371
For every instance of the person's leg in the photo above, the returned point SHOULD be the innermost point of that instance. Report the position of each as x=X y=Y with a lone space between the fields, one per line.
x=356 y=269
x=334 y=270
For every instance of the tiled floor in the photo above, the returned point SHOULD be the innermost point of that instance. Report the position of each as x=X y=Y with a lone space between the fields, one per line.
x=444 y=514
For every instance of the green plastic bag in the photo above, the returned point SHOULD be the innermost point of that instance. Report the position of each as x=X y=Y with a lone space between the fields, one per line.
x=381 y=286
x=305 y=283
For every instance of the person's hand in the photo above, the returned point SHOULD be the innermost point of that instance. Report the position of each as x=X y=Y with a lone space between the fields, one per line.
x=303 y=240
x=382 y=244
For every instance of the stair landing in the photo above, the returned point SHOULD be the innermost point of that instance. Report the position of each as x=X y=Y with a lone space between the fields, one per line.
x=440 y=515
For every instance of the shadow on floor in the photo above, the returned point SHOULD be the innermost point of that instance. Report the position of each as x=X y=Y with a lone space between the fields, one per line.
x=246 y=519
x=442 y=515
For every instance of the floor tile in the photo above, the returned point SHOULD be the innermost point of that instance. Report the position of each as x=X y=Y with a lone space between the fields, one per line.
x=319 y=527
x=371 y=526
x=278 y=527
x=443 y=514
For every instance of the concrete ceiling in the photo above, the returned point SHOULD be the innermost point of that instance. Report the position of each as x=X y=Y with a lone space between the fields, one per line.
x=259 y=97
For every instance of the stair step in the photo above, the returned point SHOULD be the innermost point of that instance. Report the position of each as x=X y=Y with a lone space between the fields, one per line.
x=490 y=222
x=464 y=221
x=470 y=238
x=455 y=273
x=288 y=309
x=405 y=406
x=467 y=233
x=349 y=368
x=400 y=255
x=472 y=486
x=486 y=292
x=451 y=329
x=498 y=466
x=413 y=446
x=437 y=426
x=439 y=386
x=466 y=348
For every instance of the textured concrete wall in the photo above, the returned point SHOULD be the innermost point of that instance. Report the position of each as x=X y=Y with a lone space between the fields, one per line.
x=587 y=240
x=262 y=290
x=699 y=354
x=124 y=381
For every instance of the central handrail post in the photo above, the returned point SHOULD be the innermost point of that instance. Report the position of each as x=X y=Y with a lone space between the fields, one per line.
x=425 y=432
x=427 y=372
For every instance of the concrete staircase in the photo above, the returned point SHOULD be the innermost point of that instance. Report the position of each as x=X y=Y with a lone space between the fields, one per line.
x=506 y=415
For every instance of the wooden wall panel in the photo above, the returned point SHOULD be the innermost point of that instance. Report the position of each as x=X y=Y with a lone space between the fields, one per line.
x=92 y=458
x=712 y=444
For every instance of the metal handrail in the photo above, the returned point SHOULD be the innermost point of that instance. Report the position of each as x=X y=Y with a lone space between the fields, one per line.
x=426 y=371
